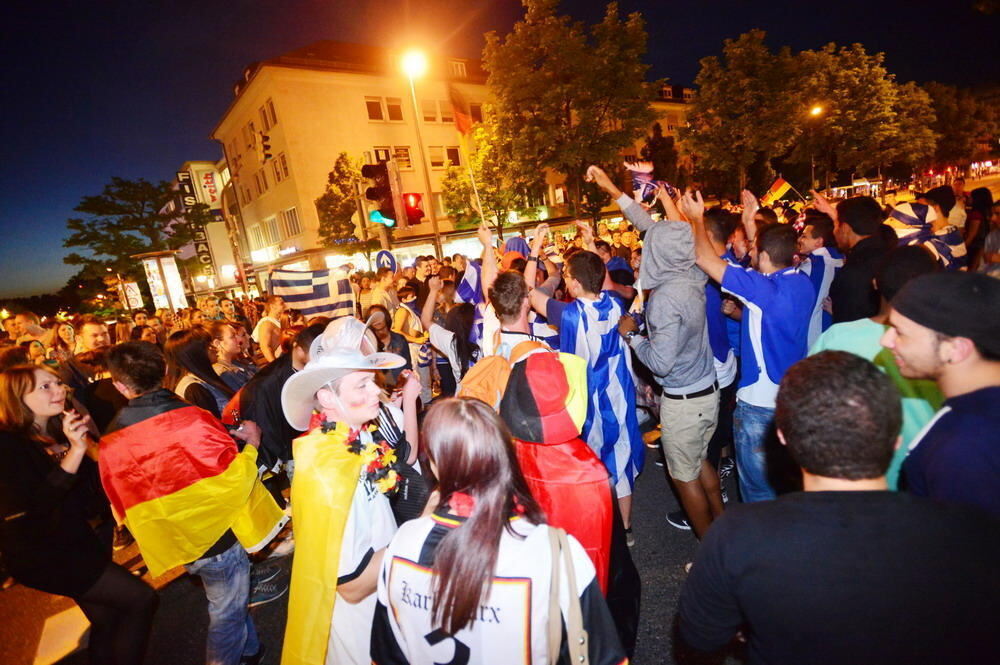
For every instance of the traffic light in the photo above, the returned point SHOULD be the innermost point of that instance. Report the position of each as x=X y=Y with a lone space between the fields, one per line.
x=380 y=193
x=414 y=211
x=265 y=147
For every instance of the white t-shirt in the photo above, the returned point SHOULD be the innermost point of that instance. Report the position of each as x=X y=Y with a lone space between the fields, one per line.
x=510 y=627
x=370 y=526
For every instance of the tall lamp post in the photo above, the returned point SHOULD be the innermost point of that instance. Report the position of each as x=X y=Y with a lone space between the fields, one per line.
x=415 y=66
x=816 y=111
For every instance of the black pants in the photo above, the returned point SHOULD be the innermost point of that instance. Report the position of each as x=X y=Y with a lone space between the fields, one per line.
x=723 y=435
x=120 y=608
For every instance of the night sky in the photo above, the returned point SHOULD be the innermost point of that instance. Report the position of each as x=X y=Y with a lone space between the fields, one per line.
x=132 y=89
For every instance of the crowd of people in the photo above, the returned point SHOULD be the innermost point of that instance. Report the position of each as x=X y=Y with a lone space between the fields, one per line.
x=453 y=466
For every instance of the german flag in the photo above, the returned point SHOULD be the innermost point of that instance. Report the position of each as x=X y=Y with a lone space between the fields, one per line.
x=778 y=189
x=175 y=477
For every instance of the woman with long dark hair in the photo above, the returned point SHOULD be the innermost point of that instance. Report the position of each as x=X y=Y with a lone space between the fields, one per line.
x=453 y=339
x=473 y=578
x=190 y=373
x=49 y=490
x=225 y=349
x=977 y=225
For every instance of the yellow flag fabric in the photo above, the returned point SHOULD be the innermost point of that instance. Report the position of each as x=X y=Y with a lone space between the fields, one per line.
x=777 y=190
x=179 y=527
x=326 y=476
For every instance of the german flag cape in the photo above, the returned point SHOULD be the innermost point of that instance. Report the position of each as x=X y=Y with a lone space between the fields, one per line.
x=175 y=478
x=326 y=475
x=777 y=190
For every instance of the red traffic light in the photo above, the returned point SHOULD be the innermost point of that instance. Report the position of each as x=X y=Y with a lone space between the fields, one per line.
x=413 y=204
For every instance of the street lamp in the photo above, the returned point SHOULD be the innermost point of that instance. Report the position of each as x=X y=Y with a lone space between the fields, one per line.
x=816 y=111
x=414 y=66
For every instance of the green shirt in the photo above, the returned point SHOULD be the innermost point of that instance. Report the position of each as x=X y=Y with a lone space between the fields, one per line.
x=921 y=398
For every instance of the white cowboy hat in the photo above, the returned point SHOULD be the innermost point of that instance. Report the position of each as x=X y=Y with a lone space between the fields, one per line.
x=298 y=395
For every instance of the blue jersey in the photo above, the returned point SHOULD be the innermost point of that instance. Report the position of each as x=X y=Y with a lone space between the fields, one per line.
x=821 y=266
x=774 y=330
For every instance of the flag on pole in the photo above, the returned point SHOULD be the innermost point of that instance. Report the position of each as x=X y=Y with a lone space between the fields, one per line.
x=778 y=189
x=469 y=289
x=463 y=121
x=315 y=292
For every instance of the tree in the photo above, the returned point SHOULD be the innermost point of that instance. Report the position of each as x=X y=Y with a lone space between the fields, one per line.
x=660 y=150
x=915 y=140
x=337 y=206
x=502 y=189
x=129 y=217
x=565 y=97
x=742 y=112
x=961 y=121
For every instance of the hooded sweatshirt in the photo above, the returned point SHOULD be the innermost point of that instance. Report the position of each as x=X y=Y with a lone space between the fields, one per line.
x=677 y=349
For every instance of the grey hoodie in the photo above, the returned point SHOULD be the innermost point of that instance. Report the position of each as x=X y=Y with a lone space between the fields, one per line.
x=677 y=349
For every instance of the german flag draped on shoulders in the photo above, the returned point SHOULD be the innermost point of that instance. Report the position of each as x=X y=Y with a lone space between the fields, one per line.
x=175 y=477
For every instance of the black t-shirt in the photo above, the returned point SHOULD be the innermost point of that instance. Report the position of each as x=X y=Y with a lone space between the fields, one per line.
x=852 y=293
x=847 y=577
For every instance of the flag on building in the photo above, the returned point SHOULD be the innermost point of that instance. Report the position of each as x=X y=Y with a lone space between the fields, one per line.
x=315 y=292
x=778 y=189
x=463 y=121
x=175 y=478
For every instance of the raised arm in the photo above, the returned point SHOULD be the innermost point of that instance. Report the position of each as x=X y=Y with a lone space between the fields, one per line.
x=537 y=244
x=489 y=272
x=632 y=210
x=587 y=233
x=427 y=313
x=694 y=209
x=750 y=208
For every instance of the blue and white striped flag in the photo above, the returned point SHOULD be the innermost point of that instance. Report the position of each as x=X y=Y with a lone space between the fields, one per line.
x=589 y=329
x=469 y=288
x=315 y=292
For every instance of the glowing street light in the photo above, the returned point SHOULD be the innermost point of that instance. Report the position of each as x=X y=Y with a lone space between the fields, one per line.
x=415 y=66
x=816 y=111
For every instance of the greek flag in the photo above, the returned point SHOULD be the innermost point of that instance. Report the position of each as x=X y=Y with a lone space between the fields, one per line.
x=469 y=288
x=821 y=266
x=315 y=292
x=589 y=329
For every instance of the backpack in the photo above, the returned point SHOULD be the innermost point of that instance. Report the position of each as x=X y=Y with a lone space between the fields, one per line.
x=487 y=379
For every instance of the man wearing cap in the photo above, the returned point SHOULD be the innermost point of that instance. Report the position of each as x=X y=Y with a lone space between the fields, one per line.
x=946 y=327
x=343 y=517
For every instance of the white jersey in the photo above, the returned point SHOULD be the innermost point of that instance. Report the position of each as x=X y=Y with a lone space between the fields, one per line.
x=370 y=526
x=510 y=626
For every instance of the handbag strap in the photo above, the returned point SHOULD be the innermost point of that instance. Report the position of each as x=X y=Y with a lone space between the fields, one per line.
x=576 y=635
x=555 y=614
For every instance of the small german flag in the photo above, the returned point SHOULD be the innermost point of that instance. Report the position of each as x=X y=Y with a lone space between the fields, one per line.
x=778 y=189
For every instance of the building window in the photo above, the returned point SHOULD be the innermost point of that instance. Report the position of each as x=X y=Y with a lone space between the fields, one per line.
x=429 y=109
x=271 y=231
x=284 y=164
x=261 y=179
x=270 y=112
x=666 y=92
x=374 y=105
x=457 y=69
x=382 y=153
x=453 y=155
x=252 y=132
x=265 y=121
x=447 y=112
x=402 y=155
x=436 y=154
x=256 y=238
x=476 y=112
x=394 y=108
x=688 y=94
x=290 y=222
x=247 y=196
x=276 y=169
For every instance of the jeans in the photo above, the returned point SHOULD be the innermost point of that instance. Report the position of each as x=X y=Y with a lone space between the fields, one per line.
x=231 y=633
x=751 y=426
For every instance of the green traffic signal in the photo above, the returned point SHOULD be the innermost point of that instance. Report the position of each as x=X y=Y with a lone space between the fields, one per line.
x=378 y=218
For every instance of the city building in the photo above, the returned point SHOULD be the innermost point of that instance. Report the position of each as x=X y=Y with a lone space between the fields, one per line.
x=294 y=114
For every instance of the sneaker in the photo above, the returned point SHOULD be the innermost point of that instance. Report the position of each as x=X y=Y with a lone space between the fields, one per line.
x=122 y=538
x=629 y=537
x=284 y=548
x=255 y=659
x=678 y=520
x=262 y=573
x=725 y=494
x=687 y=567
x=267 y=592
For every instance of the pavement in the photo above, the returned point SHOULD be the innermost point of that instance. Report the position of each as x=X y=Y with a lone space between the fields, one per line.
x=37 y=628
